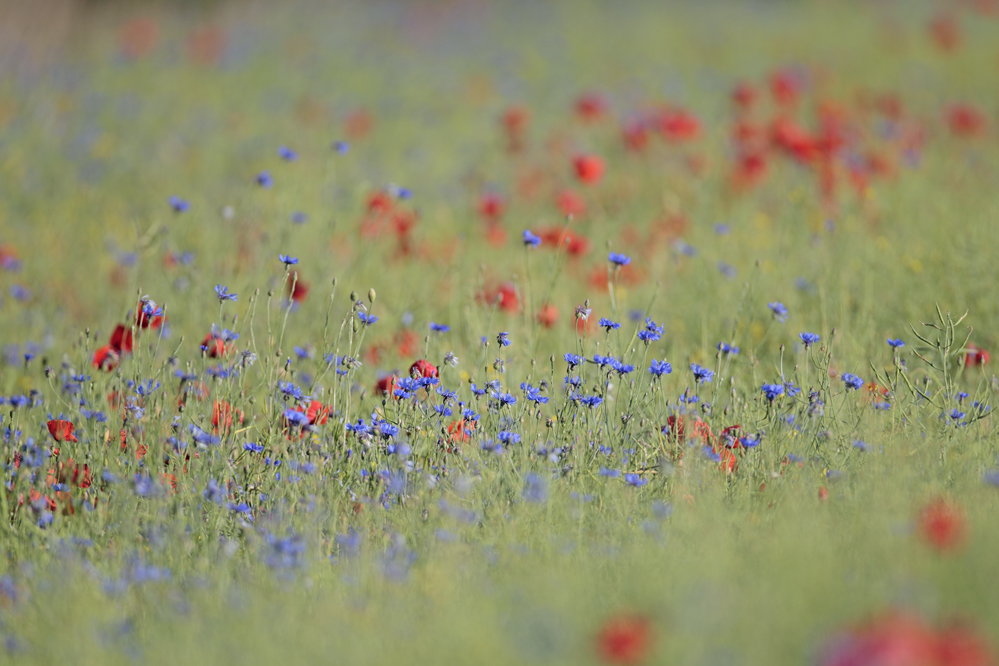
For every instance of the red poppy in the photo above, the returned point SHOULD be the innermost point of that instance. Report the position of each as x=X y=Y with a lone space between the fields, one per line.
x=461 y=430
x=358 y=124
x=9 y=259
x=574 y=244
x=495 y=234
x=222 y=416
x=750 y=170
x=214 y=347
x=143 y=321
x=676 y=430
x=515 y=121
x=942 y=525
x=635 y=136
x=70 y=473
x=793 y=139
x=744 y=95
x=317 y=412
x=406 y=342
x=206 y=45
x=976 y=356
x=591 y=107
x=785 y=86
x=625 y=639
x=505 y=297
x=901 y=638
x=62 y=431
x=678 y=125
x=121 y=339
x=298 y=288
x=965 y=120
x=34 y=496
x=946 y=32
x=106 y=358
x=491 y=207
x=422 y=369
x=547 y=316
x=589 y=168
x=570 y=203
x=138 y=37
x=387 y=385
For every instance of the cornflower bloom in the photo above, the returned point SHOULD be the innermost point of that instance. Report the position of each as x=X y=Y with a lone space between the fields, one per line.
x=779 y=311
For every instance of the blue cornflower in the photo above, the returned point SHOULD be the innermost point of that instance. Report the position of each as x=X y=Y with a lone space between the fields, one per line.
x=726 y=348
x=508 y=437
x=622 y=368
x=359 y=428
x=341 y=147
x=591 y=401
x=779 y=311
x=504 y=398
x=296 y=418
x=852 y=381
x=772 y=391
x=651 y=333
x=618 y=259
x=608 y=325
x=957 y=414
x=290 y=390
x=722 y=229
x=809 y=338
x=214 y=492
x=299 y=217
x=535 y=396
x=711 y=454
x=660 y=368
x=861 y=445
x=202 y=437
x=179 y=205
x=366 y=319
x=749 y=441
x=503 y=339
x=573 y=359
x=702 y=374
x=535 y=488
x=286 y=260
x=991 y=477
x=895 y=343
x=728 y=270
x=387 y=430
x=531 y=239
x=264 y=179
x=635 y=480
x=601 y=361
x=439 y=328
x=223 y=293
x=609 y=473
x=287 y=154
x=253 y=447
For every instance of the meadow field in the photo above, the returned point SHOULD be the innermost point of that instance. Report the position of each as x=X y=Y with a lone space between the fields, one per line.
x=468 y=332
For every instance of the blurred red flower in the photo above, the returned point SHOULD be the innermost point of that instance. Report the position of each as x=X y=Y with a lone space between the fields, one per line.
x=901 y=639
x=422 y=369
x=625 y=639
x=61 y=431
x=976 y=356
x=589 y=168
x=942 y=525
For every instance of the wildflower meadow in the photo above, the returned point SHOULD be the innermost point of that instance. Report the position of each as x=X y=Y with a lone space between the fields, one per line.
x=468 y=332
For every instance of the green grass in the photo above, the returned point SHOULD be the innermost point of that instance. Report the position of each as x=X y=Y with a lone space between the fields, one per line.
x=458 y=564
